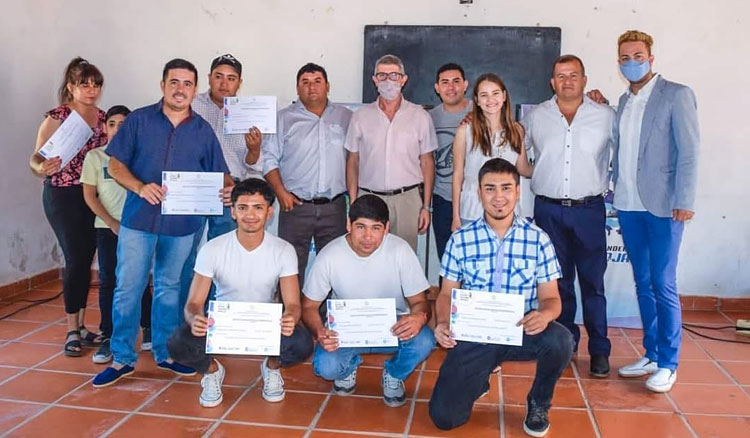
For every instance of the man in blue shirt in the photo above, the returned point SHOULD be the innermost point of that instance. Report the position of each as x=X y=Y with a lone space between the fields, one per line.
x=166 y=136
x=500 y=252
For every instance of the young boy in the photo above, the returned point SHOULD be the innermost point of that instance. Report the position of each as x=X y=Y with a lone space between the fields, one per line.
x=105 y=197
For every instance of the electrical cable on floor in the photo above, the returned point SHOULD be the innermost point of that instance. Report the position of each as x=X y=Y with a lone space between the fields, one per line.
x=695 y=332
x=34 y=303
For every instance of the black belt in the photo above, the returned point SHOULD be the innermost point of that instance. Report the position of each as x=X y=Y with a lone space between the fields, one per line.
x=320 y=201
x=391 y=192
x=570 y=202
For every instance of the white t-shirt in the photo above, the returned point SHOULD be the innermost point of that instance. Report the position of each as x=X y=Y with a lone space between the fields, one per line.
x=242 y=275
x=392 y=271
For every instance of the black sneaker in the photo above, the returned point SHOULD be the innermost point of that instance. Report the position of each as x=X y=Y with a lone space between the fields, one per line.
x=536 y=422
x=599 y=366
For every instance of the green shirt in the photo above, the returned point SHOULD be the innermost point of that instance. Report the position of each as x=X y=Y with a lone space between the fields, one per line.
x=110 y=193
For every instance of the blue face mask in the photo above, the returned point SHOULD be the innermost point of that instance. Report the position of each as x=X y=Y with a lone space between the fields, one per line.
x=634 y=71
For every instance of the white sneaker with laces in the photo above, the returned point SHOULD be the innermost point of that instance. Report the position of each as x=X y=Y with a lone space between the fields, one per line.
x=393 y=391
x=662 y=380
x=273 y=383
x=346 y=385
x=641 y=368
x=211 y=395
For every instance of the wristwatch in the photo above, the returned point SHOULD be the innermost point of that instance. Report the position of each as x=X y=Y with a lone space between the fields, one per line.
x=429 y=209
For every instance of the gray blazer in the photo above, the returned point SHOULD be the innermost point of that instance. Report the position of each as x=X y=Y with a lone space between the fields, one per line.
x=668 y=151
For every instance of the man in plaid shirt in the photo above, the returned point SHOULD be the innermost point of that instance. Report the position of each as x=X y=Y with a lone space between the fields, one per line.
x=500 y=252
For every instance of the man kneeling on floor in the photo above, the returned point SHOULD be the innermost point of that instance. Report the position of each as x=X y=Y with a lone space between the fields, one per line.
x=245 y=265
x=369 y=263
x=500 y=252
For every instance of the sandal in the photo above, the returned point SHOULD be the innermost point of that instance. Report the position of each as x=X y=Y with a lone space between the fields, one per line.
x=90 y=339
x=73 y=346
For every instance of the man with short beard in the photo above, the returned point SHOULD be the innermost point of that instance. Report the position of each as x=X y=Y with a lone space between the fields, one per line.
x=391 y=143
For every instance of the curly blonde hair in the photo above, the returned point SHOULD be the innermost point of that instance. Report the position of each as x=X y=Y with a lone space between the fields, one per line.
x=636 y=35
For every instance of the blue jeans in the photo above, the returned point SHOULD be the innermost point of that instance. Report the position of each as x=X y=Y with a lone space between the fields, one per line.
x=442 y=217
x=135 y=252
x=464 y=374
x=580 y=240
x=653 y=244
x=336 y=365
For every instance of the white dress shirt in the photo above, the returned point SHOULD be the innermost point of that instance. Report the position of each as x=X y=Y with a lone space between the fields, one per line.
x=627 y=197
x=232 y=145
x=571 y=160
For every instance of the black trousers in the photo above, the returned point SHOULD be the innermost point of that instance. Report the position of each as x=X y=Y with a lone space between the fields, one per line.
x=73 y=225
x=190 y=350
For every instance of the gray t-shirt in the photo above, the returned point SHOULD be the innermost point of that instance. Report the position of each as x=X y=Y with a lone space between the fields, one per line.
x=445 y=128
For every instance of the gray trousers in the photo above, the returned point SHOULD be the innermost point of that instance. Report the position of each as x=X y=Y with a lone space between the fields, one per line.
x=323 y=222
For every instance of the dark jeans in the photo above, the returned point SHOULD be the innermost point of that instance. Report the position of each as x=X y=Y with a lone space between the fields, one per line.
x=464 y=374
x=442 y=217
x=308 y=221
x=106 y=244
x=73 y=224
x=190 y=350
x=579 y=237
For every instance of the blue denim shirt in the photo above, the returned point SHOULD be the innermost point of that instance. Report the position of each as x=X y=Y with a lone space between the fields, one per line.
x=148 y=143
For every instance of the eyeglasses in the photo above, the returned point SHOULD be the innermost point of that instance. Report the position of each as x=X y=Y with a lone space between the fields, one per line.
x=394 y=76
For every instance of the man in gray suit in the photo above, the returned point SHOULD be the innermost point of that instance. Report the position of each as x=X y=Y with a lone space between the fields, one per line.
x=655 y=168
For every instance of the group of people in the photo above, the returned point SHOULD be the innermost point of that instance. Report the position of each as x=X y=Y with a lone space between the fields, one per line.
x=362 y=185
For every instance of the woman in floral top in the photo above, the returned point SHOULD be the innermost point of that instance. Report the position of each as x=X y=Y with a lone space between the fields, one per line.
x=66 y=211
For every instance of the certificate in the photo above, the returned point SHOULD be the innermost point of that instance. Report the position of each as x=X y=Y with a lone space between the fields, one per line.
x=194 y=193
x=363 y=323
x=243 y=112
x=236 y=327
x=68 y=139
x=486 y=317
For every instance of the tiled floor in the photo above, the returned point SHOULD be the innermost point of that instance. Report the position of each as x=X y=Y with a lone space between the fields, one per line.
x=45 y=394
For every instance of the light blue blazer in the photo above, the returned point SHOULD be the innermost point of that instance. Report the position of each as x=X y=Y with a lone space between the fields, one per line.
x=668 y=152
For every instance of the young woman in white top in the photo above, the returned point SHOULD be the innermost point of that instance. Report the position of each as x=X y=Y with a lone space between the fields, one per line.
x=490 y=133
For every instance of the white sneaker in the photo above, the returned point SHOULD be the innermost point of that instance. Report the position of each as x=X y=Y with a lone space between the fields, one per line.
x=273 y=383
x=346 y=385
x=393 y=391
x=641 y=368
x=211 y=395
x=662 y=380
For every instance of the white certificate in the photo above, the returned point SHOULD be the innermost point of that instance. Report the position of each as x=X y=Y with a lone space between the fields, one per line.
x=486 y=317
x=194 y=193
x=244 y=328
x=363 y=323
x=68 y=139
x=243 y=112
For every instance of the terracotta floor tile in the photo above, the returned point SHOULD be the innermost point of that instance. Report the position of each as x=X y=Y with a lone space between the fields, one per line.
x=145 y=426
x=54 y=334
x=703 y=317
x=240 y=372
x=710 y=399
x=725 y=333
x=301 y=377
x=68 y=423
x=54 y=286
x=327 y=434
x=483 y=423
x=738 y=370
x=297 y=409
x=435 y=360
x=632 y=333
x=369 y=382
x=6 y=372
x=81 y=364
x=702 y=371
x=147 y=369
x=689 y=350
x=614 y=424
x=735 y=315
x=38 y=294
x=12 y=414
x=26 y=355
x=40 y=313
x=726 y=351
x=567 y=392
x=568 y=423
x=182 y=399
x=10 y=330
x=429 y=378
x=614 y=394
x=718 y=427
x=621 y=347
x=126 y=395
x=41 y=386
x=375 y=360
x=242 y=431
x=527 y=368
x=346 y=413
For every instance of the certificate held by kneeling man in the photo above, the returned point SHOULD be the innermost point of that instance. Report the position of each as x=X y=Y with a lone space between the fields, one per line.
x=246 y=266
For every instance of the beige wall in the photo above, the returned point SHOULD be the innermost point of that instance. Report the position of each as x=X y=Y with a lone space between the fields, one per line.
x=702 y=44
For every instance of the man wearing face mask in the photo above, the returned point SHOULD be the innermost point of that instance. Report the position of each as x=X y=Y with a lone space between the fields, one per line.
x=391 y=143
x=655 y=170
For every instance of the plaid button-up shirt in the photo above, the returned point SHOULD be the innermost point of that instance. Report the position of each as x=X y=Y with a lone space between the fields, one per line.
x=528 y=259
